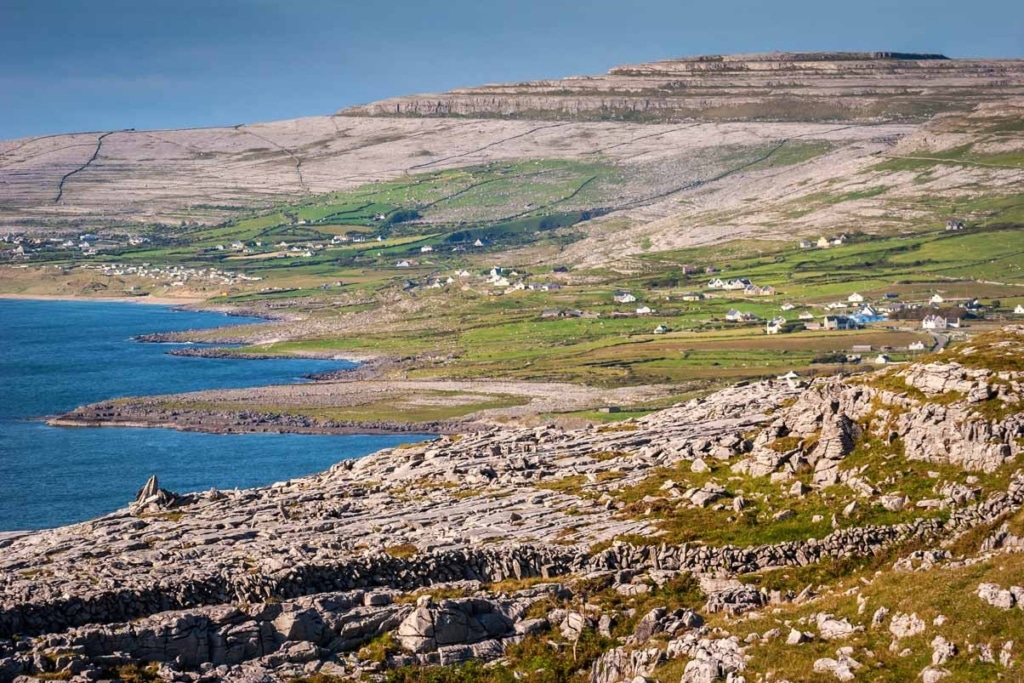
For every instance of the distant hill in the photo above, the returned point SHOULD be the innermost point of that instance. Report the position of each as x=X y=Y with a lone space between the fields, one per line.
x=683 y=151
x=777 y=86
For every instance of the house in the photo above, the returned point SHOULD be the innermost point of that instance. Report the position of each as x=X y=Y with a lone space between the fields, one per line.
x=775 y=325
x=737 y=284
x=426 y=249
x=855 y=298
x=934 y=322
x=806 y=244
x=710 y=270
x=768 y=290
x=839 y=322
x=660 y=329
x=881 y=359
x=689 y=269
x=644 y=310
x=868 y=314
x=973 y=305
x=622 y=297
x=402 y=264
x=478 y=243
x=839 y=240
x=732 y=315
x=861 y=348
x=823 y=243
x=692 y=296
x=717 y=283
x=1019 y=310
x=936 y=299
x=916 y=346
x=787 y=306
x=806 y=315
x=954 y=225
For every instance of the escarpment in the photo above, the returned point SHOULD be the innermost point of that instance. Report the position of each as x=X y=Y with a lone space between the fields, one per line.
x=854 y=86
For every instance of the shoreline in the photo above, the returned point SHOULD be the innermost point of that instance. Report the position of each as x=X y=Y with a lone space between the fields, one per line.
x=151 y=300
x=349 y=428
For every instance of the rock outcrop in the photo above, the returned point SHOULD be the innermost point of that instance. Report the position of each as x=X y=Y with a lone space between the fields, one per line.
x=294 y=577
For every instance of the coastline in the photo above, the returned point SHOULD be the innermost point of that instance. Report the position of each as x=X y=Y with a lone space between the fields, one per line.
x=151 y=300
x=272 y=426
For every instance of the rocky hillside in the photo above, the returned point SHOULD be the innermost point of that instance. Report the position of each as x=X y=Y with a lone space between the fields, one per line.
x=764 y=531
x=690 y=142
x=843 y=86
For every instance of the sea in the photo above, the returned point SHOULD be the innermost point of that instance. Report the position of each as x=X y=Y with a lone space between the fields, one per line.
x=57 y=355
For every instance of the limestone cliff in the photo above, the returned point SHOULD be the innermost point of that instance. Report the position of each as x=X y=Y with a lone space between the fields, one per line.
x=853 y=86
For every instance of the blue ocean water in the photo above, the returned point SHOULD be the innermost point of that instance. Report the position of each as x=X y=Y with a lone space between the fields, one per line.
x=56 y=355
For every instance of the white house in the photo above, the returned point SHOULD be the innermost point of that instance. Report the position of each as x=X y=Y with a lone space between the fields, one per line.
x=737 y=284
x=426 y=249
x=1019 y=310
x=934 y=322
x=660 y=329
x=855 y=298
x=732 y=315
x=806 y=315
x=936 y=299
x=774 y=325
x=644 y=310
x=916 y=346
x=787 y=306
x=717 y=283
x=881 y=359
x=623 y=297
x=823 y=243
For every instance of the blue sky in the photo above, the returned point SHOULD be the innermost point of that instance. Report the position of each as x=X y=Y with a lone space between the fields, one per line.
x=80 y=65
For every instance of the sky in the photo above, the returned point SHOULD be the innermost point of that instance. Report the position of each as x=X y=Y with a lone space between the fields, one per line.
x=88 y=65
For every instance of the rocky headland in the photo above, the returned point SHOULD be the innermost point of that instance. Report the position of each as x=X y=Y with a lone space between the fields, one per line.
x=627 y=549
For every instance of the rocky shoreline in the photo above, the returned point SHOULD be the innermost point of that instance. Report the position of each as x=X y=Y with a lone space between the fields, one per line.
x=242 y=422
x=462 y=547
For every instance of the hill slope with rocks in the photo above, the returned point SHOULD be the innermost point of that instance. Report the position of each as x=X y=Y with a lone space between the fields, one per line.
x=758 y=533
x=691 y=144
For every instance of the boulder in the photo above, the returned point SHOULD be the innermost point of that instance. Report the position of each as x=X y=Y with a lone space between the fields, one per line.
x=906 y=625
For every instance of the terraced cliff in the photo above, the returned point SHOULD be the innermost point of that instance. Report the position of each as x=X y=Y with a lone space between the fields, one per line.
x=842 y=86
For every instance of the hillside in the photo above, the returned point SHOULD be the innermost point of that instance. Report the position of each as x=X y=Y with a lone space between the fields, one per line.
x=764 y=531
x=669 y=155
